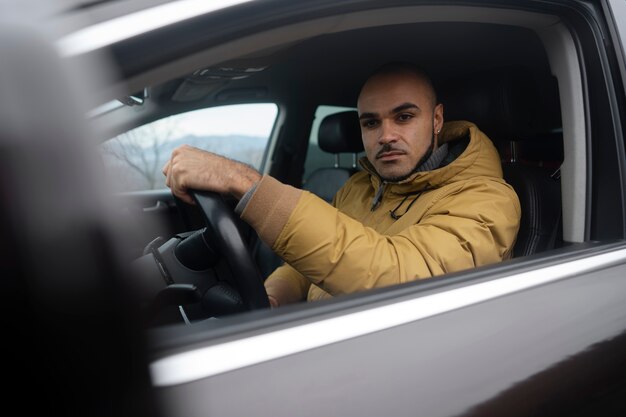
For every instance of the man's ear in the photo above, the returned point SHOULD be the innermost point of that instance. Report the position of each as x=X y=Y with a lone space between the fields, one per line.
x=438 y=119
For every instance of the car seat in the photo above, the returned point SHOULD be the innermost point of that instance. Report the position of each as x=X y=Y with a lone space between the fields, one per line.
x=338 y=133
x=521 y=115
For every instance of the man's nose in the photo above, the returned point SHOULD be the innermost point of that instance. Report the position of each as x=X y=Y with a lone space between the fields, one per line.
x=388 y=133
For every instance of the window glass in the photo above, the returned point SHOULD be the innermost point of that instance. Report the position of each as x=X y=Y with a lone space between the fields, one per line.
x=317 y=158
x=134 y=159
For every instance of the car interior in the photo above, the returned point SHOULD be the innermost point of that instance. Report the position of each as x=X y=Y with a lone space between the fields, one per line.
x=515 y=74
x=527 y=74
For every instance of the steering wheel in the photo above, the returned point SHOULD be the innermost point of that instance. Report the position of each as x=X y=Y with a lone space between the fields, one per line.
x=224 y=237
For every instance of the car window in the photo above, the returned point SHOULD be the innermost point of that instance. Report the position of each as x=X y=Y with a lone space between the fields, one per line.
x=134 y=159
x=317 y=158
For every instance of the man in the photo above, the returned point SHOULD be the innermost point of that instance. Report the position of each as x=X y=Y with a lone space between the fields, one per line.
x=430 y=199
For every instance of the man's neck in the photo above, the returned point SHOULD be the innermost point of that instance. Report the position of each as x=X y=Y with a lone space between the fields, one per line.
x=435 y=159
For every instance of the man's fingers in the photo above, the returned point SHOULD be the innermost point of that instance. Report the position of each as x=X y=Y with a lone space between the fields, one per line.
x=168 y=175
x=273 y=301
x=186 y=198
x=166 y=168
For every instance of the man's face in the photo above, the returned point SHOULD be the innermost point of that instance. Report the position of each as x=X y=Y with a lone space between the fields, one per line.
x=398 y=120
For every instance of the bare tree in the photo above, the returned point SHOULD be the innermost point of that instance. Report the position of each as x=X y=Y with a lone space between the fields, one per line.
x=141 y=150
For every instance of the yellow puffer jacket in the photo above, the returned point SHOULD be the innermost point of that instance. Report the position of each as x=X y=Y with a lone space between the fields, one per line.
x=452 y=218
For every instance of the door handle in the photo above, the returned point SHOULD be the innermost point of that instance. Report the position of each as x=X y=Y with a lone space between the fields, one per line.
x=158 y=207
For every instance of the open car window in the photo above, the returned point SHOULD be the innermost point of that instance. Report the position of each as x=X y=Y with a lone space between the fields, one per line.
x=134 y=159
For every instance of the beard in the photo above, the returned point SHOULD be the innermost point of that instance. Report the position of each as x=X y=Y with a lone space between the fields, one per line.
x=423 y=159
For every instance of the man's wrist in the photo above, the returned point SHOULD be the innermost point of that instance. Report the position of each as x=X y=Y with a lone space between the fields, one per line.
x=243 y=180
x=243 y=201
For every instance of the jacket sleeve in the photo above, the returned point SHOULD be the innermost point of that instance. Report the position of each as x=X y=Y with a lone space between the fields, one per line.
x=287 y=285
x=473 y=226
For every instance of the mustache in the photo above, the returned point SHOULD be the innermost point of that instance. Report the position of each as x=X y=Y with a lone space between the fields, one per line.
x=387 y=148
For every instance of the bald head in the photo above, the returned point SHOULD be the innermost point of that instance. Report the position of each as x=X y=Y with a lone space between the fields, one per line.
x=403 y=70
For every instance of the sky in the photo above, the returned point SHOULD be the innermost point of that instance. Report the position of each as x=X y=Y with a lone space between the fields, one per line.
x=242 y=119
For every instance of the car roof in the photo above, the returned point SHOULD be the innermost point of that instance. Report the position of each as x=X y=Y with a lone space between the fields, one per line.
x=335 y=62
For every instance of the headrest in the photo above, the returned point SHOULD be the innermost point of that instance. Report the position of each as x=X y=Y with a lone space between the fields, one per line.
x=341 y=133
x=509 y=104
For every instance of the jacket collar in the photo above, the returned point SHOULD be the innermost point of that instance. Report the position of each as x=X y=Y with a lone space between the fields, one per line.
x=464 y=154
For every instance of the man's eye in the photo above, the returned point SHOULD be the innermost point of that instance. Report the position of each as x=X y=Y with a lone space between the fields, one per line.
x=369 y=123
x=405 y=117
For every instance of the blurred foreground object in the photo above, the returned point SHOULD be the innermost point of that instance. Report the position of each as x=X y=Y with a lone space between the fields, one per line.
x=73 y=339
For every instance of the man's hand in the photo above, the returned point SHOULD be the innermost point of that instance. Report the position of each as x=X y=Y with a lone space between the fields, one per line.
x=273 y=301
x=191 y=168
